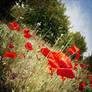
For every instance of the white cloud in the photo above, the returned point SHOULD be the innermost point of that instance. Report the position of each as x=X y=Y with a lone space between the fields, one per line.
x=80 y=21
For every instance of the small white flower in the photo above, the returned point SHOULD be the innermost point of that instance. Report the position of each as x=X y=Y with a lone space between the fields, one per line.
x=21 y=18
x=61 y=35
x=22 y=5
x=38 y=24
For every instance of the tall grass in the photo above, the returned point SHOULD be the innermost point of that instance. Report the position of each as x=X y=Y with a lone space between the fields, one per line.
x=29 y=73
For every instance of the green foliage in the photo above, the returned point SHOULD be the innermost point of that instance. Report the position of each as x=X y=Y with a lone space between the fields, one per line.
x=17 y=12
x=5 y=7
x=50 y=13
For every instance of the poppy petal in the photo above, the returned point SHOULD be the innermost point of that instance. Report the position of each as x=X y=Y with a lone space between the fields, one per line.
x=28 y=46
x=45 y=51
x=66 y=72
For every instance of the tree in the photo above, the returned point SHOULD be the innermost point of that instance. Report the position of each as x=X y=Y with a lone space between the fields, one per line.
x=50 y=13
x=5 y=6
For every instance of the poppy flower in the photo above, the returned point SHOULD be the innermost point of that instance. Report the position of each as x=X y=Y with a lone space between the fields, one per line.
x=73 y=50
x=33 y=34
x=17 y=28
x=39 y=47
x=70 y=51
x=27 y=35
x=75 y=64
x=34 y=38
x=82 y=66
x=10 y=54
x=38 y=39
x=26 y=31
x=90 y=77
x=77 y=56
x=58 y=58
x=66 y=72
x=45 y=51
x=28 y=46
x=11 y=26
x=15 y=23
x=43 y=44
x=62 y=60
x=90 y=86
x=11 y=46
x=52 y=64
x=81 y=86
x=75 y=68
x=88 y=66
x=14 y=26
x=65 y=64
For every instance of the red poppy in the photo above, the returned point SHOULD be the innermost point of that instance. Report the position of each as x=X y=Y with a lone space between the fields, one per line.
x=14 y=26
x=10 y=54
x=39 y=47
x=75 y=68
x=17 y=28
x=28 y=46
x=34 y=38
x=73 y=50
x=38 y=39
x=43 y=44
x=77 y=56
x=90 y=77
x=58 y=58
x=26 y=31
x=75 y=64
x=11 y=46
x=81 y=86
x=82 y=66
x=70 y=51
x=15 y=23
x=27 y=35
x=62 y=60
x=90 y=86
x=89 y=66
x=66 y=72
x=52 y=64
x=45 y=51
x=33 y=33
x=11 y=26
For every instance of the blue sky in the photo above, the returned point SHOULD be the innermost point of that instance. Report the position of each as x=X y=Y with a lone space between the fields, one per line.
x=80 y=12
